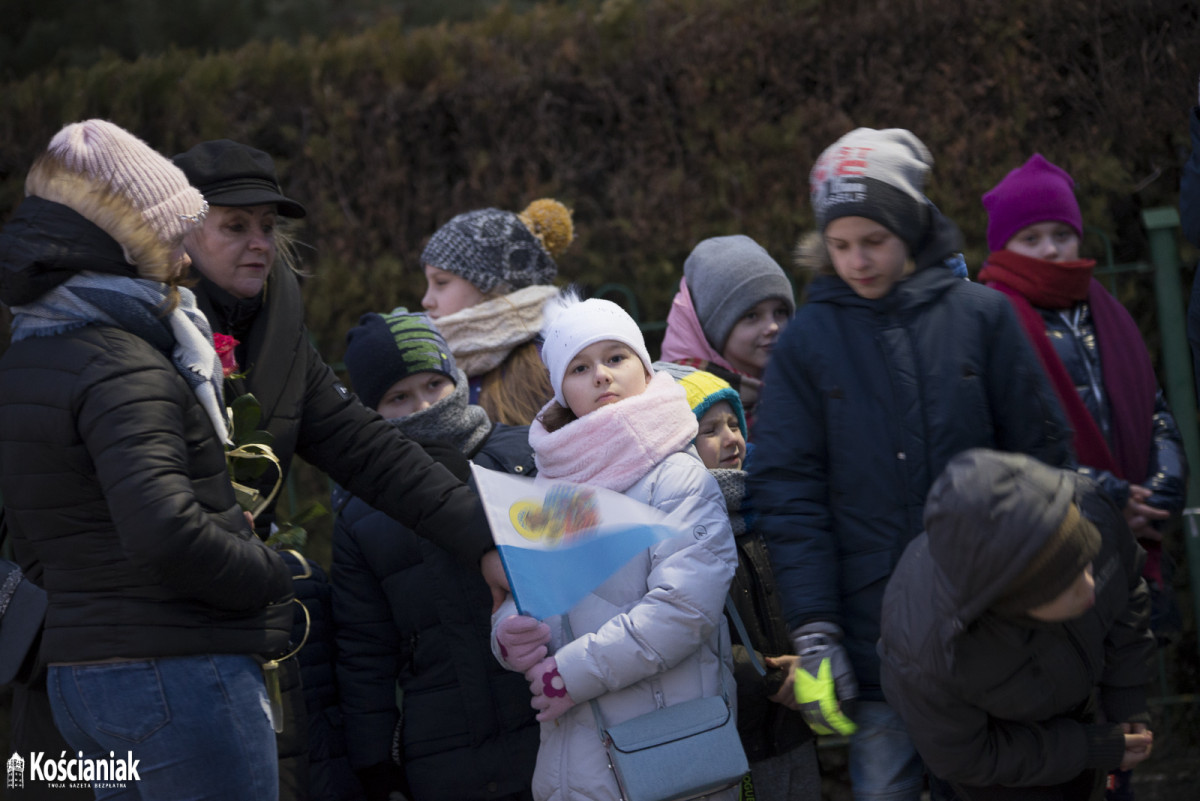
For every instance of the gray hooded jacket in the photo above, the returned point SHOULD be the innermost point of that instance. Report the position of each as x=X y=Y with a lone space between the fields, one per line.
x=994 y=700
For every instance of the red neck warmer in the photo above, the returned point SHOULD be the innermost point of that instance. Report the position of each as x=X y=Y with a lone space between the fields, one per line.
x=1045 y=284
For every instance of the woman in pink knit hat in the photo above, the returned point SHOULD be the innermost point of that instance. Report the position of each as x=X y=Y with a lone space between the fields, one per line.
x=112 y=467
x=1092 y=351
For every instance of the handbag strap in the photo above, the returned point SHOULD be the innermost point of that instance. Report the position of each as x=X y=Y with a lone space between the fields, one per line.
x=720 y=663
x=743 y=635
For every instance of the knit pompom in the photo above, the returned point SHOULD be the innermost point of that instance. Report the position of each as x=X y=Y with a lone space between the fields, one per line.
x=550 y=222
x=558 y=305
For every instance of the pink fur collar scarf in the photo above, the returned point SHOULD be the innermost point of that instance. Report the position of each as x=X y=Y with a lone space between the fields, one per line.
x=685 y=336
x=616 y=445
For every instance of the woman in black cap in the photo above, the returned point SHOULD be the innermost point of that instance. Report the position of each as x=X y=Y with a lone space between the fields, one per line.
x=248 y=290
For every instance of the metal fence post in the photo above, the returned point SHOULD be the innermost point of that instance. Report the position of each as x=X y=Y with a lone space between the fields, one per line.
x=1161 y=224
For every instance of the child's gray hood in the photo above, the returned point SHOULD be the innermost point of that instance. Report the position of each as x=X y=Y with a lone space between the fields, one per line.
x=986 y=517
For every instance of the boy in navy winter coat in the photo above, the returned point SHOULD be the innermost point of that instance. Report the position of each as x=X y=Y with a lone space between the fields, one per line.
x=893 y=366
x=1010 y=623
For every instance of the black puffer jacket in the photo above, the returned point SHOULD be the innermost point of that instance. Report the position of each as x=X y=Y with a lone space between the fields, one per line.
x=865 y=403
x=312 y=414
x=314 y=766
x=410 y=617
x=1001 y=700
x=114 y=482
x=1072 y=332
x=767 y=729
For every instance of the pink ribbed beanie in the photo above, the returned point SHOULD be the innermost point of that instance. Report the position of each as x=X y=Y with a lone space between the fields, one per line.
x=116 y=159
x=1035 y=192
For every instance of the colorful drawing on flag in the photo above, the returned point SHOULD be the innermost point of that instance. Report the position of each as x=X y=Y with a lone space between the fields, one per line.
x=559 y=541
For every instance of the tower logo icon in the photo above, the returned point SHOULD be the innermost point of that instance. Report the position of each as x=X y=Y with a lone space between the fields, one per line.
x=15 y=772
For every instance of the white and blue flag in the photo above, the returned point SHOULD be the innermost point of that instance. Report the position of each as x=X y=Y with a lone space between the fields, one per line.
x=558 y=540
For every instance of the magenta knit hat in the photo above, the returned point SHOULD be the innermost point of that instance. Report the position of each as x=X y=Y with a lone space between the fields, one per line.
x=1035 y=192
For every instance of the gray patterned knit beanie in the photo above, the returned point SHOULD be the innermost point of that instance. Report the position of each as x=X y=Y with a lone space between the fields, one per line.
x=492 y=248
x=879 y=175
x=384 y=348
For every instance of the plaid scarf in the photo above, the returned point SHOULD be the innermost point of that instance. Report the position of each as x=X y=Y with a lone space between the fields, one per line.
x=134 y=305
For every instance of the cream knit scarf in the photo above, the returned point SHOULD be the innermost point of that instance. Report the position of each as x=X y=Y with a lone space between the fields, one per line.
x=482 y=336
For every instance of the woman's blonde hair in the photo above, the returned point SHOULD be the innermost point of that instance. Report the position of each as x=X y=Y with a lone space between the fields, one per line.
x=112 y=212
x=286 y=244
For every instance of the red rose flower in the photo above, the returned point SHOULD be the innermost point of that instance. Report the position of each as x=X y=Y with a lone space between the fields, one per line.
x=225 y=345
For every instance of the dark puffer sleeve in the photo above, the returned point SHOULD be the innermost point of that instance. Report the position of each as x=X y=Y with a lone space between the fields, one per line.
x=369 y=645
x=131 y=419
x=373 y=460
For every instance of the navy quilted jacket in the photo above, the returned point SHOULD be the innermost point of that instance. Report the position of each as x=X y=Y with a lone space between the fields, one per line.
x=865 y=402
x=410 y=618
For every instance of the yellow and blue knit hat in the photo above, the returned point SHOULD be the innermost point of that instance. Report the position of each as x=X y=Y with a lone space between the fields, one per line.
x=704 y=390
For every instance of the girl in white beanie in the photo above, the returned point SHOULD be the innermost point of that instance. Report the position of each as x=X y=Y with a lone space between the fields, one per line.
x=654 y=630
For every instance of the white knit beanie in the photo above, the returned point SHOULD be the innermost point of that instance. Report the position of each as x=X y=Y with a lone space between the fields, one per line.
x=572 y=325
x=115 y=159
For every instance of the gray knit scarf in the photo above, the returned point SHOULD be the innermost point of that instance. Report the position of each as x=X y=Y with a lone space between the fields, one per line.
x=733 y=487
x=134 y=305
x=451 y=419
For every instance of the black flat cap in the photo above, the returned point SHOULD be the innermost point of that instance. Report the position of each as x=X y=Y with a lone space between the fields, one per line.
x=229 y=173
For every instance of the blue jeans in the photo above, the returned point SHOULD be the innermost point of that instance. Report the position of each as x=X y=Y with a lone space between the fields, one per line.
x=198 y=725
x=884 y=763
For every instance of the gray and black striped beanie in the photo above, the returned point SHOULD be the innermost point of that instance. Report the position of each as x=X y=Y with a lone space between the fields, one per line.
x=384 y=348
x=876 y=174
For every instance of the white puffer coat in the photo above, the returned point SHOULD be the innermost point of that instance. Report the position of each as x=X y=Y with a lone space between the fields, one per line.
x=648 y=637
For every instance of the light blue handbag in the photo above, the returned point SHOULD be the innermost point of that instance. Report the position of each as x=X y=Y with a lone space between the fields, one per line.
x=683 y=751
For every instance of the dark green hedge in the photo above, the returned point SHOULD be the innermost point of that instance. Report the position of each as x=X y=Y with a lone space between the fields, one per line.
x=659 y=122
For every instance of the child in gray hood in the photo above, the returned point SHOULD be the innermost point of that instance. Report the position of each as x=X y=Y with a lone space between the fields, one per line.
x=1015 y=640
